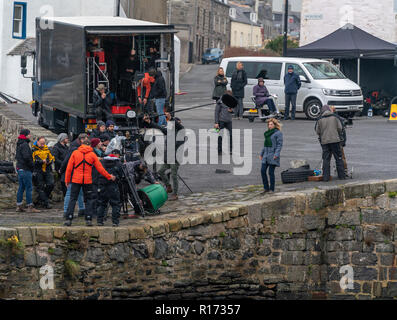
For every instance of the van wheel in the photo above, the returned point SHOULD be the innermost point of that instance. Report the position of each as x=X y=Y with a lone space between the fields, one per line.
x=251 y=119
x=313 y=109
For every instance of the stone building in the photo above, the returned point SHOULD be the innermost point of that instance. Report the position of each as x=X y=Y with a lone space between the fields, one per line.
x=201 y=24
x=147 y=10
x=245 y=31
x=322 y=17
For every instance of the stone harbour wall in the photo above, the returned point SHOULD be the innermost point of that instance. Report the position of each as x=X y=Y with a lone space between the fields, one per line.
x=283 y=246
x=10 y=126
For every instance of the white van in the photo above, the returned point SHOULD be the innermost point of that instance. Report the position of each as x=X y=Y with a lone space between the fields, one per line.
x=322 y=83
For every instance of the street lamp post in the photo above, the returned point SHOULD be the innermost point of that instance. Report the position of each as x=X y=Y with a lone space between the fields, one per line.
x=285 y=29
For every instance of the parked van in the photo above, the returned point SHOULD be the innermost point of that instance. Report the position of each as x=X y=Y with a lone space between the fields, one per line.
x=322 y=83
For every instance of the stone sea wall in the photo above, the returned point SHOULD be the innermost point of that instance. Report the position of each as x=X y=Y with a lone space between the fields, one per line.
x=282 y=246
x=10 y=126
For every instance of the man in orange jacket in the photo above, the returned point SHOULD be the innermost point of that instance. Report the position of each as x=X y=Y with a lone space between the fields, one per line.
x=145 y=85
x=79 y=174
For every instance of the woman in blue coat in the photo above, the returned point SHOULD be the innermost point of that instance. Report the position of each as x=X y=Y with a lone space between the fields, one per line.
x=270 y=154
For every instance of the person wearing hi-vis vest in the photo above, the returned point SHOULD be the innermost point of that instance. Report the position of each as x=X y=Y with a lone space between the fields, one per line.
x=79 y=175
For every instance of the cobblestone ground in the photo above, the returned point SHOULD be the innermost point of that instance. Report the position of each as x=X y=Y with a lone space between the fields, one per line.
x=187 y=204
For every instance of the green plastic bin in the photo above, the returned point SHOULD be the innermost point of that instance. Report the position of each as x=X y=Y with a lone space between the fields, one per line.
x=153 y=196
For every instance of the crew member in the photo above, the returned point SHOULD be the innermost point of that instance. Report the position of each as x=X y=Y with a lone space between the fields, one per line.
x=109 y=190
x=102 y=103
x=73 y=147
x=329 y=130
x=24 y=168
x=110 y=129
x=80 y=164
x=143 y=91
x=44 y=179
x=223 y=117
x=159 y=93
x=59 y=151
x=173 y=165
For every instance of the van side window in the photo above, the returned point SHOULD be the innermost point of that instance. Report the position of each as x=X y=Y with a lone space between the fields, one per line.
x=297 y=69
x=255 y=70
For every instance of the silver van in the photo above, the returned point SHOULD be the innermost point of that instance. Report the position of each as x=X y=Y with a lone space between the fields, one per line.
x=322 y=83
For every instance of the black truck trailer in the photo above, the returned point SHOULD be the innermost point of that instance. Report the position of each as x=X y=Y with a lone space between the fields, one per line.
x=74 y=55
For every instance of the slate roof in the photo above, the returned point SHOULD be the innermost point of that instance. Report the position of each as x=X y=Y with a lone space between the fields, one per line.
x=242 y=15
x=29 y=44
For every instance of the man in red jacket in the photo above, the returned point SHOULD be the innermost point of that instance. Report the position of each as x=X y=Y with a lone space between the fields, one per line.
x=79 y=174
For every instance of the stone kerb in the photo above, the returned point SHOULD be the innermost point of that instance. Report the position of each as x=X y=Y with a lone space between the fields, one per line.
x=294 y=212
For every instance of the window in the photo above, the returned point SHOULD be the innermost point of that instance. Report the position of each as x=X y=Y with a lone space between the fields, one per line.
x=214 y=23
x=297 y=69
x=255 y=70
x=19 y=21
x=242 y=40
x=395 y=6
x=323 y=70
x=225 y=26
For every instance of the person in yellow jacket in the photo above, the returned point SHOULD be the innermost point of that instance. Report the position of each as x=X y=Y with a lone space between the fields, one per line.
x=43 y=179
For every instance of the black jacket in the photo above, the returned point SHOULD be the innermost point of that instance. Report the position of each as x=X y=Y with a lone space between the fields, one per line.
x=24 y=155
x=73 y=147
x=158 y=90
x=97 y=134
x=105 y=104
x=220 y=86
x=111 y=134
x=113 y=166
x=292 y=83
x=59 y=151
x=239 y=81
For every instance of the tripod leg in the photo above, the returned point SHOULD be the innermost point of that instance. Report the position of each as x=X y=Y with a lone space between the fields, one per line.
x=185 y=183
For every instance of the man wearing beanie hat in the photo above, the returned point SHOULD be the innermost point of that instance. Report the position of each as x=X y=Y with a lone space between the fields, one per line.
x=292 y=84
x=59 y=151
x=110 y=129
x=25 y=171
x=100 y=129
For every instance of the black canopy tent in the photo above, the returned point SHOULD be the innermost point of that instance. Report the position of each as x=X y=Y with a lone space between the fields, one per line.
x=347 y=43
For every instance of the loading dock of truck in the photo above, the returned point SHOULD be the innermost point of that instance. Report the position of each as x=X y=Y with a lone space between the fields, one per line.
x=79 y=53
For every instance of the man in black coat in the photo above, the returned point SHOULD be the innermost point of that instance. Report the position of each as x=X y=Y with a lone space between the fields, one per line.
x=292 y=84
x=102 y=104
x=100 y=130
x=109 y=192
x=59 y=151
x=24 y=168
x=159 y=93
x=238 y=83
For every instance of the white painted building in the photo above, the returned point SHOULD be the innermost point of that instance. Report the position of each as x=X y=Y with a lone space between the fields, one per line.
x=17 y=26
x=322 y=17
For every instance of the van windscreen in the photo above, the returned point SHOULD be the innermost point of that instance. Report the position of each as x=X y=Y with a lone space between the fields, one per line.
x=323 y=71
x=255 y=69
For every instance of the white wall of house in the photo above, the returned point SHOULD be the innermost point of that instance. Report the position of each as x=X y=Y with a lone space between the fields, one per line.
x=11 y=80
x=322 y=17
x=240 y=35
